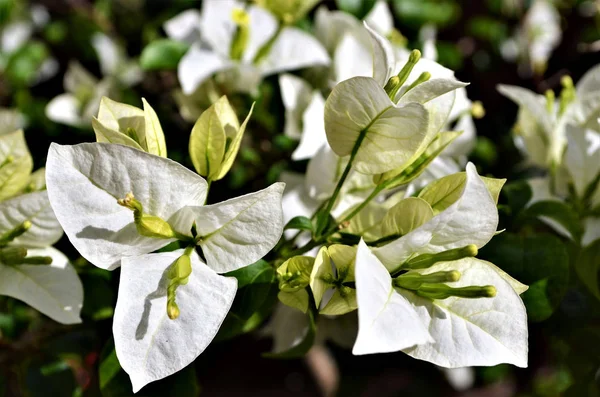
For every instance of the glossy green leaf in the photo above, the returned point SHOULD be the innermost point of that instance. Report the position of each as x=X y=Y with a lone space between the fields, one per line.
x=162 y=54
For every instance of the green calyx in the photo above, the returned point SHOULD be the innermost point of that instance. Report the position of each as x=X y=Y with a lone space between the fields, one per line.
x=12 y=256
x=12 y=234
x=147 y=225
x=413 y=281
x=442 y=291
x=427 y=260
x=178 y=274
x=242 y=33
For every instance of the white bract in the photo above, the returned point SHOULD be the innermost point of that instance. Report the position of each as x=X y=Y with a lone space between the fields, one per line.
x=84 y=183
x=450 y=332
x=54 y=289
x=243 y=44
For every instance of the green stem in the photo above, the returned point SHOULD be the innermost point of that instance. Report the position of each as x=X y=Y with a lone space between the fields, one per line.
x=338 y=187
x=209 y=182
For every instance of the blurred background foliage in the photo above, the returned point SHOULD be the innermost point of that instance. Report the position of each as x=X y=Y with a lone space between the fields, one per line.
x=41 y=358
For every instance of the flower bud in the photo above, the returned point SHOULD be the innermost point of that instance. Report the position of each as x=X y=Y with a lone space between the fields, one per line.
x=147 y=225
x=178 y=274
x=427 y=260
x=12 y=234
x=413 y=281
x=442 y=291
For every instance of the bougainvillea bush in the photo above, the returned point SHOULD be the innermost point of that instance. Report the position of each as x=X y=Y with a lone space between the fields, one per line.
x=239 y=198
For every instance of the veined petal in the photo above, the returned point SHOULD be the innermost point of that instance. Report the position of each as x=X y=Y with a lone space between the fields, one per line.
x=85 y=181
x=352 y=58
x=197 y=65
x=360 y=105
x=148 y=344
x=16 y=163
x=35 y=208
x=471 y=219
x=387 y=321
x=55 y=290
x=470 y=332
x=293 y=49
x=240 y=231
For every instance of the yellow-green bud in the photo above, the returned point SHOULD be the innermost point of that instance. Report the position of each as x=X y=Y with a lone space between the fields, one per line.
x=242 y=34
x=178 y=274
x=147 y=225
x=477 y=110
x=442 y=291
x=414 y=57
x=12 y=255
x=413 y=281
x=294 y=274
x=423 y=77
x=12 y=234
x=427 y=260
x=567 y=95
x=392 y=86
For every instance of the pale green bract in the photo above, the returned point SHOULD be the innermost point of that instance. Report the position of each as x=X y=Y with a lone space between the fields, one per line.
x=15 y=163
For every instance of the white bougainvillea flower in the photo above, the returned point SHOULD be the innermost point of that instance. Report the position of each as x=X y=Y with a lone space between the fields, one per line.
x=535 y=39
x=451 y=332
x=79 y=103
x=83 y=91
x=54 y=289
x=248 y=42
x=466 y=216
x=540 y=131
x=84 y=183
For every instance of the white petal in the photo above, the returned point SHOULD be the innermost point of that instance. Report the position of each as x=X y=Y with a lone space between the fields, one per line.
x=461 y=379
x=84 y=182
x=64 y=109
x=109 y=54
x=582 y=157
x=387 y=322
x=218 y=26
x=296 y=94
x=294 y=49
x=531 y=101
x=14 y=35
x=467 y=332
x=263 y=25
x=384 y=60
x=184 y=26
x=380 y=18
x=196 y=66
x=590 y=82
x=323 y=172
x=313 y=129
x=149 y=345
x=289 y=327
x=591 y=231
x=352 y=58
x=240 y=231
x=471 y=219
x=34 y=207
x=55 y=290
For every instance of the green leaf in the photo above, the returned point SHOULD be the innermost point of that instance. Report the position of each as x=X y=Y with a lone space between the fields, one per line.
x=162 y=54
x=299 y=223
x=541 y=261
x=406 y=216
x=587 y=267
x=518 y=195
x=256 y=273
x=109 y=368
x=557 y=211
